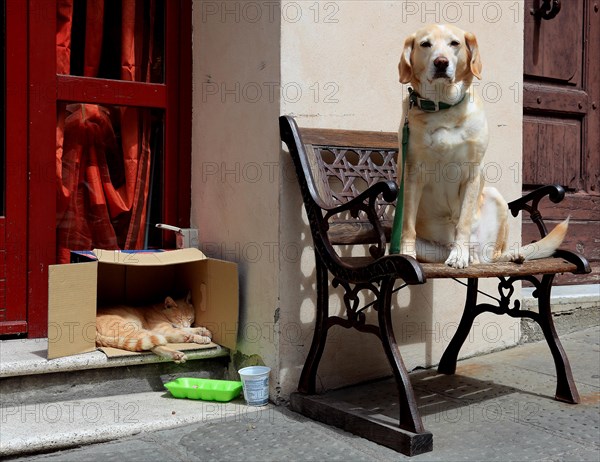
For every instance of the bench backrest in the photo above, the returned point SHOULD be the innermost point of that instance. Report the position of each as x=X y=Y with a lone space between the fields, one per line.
x=338 y=165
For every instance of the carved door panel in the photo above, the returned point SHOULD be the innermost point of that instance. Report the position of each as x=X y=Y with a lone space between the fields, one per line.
x=560 y=118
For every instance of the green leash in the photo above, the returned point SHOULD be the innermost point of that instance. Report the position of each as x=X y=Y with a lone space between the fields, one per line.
x=427 y=106
x=399 y=214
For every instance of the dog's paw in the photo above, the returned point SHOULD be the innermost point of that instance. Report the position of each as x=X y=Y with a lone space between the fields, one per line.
x=459 y=257
x=517 y=257
x=409 y=249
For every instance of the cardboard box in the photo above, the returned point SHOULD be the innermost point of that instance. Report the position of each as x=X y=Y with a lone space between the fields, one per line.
x=110 y=277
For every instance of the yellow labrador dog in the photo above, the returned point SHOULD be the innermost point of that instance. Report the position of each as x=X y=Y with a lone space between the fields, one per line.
x=449 y=215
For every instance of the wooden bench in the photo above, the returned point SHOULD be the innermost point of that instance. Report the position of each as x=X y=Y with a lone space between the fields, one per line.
x=348 y=185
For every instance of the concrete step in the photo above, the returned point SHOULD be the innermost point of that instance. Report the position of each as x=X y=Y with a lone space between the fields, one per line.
x=567 y=298
x=27 y=377
x=89 y=398
x=50 y=426
x=574 y=308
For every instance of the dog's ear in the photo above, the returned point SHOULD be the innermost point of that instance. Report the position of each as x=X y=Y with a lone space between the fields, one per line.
x=473 y=54
x=405 y=66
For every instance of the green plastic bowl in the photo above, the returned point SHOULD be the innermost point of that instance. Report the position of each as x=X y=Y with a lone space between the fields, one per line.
x=204 y=389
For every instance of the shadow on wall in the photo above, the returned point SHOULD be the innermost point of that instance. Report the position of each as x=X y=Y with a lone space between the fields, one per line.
x=350 y=356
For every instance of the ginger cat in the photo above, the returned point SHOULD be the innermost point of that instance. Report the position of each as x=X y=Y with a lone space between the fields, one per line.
x=150 y=327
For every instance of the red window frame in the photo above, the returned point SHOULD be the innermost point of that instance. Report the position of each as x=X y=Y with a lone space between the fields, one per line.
x=46 y=88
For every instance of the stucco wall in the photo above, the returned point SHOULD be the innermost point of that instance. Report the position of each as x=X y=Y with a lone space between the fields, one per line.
x=235 y=155
x=344 y=55
x=331 y=64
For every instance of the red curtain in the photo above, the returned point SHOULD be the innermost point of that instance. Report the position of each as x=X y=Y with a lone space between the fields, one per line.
x=103 y=178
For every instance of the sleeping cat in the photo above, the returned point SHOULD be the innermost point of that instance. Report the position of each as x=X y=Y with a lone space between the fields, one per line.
x=150 y=327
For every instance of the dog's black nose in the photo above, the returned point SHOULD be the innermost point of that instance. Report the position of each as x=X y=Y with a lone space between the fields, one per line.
x=441 y=63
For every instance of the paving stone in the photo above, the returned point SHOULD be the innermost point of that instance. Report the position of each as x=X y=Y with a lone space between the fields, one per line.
x=498 y=407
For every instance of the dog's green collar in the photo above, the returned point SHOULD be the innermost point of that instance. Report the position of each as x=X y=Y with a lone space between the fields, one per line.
x=427 y=105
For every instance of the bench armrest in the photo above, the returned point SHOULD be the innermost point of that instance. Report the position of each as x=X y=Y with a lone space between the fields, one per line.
x=529 y=203
x=366 y=202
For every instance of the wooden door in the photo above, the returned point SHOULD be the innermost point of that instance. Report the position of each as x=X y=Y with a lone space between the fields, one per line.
x=13 y=178
x=561 y=125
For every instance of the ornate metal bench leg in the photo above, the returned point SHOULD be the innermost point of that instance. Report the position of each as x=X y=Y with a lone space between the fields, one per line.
x=410 y=419
x=448 y=362
x=307 y=384
x=566 y=389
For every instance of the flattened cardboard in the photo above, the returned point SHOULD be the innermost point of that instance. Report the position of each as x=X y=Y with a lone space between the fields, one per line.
x=118 y=353
x=171 y=257
x=139 y=279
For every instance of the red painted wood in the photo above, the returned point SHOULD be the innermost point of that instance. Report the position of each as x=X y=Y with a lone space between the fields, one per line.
x=110 y=92
x=184 y=185
x=171 y=129
x=42 y=151
x=177 y=165
x=14 y=225
x=13 y=327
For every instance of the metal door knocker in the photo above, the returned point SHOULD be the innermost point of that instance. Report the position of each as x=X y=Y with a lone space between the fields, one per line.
x=548 y=10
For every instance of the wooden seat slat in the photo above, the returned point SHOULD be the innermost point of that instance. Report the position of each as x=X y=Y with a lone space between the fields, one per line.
x=483 y=270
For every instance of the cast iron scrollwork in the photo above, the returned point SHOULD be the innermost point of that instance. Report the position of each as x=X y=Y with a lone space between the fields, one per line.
x=531 y=201
x=355 y=316
x=506 y=291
